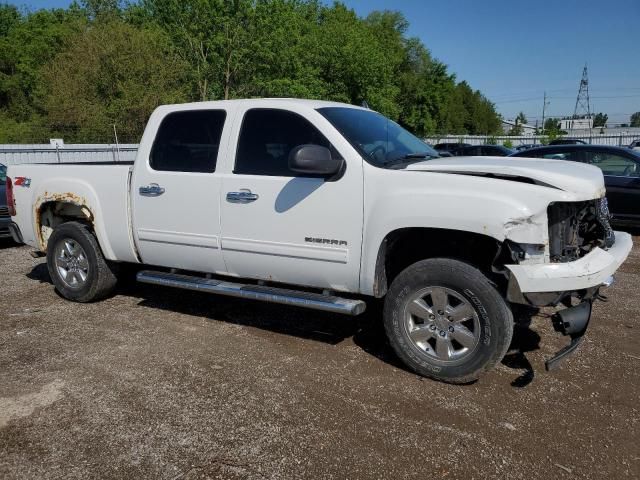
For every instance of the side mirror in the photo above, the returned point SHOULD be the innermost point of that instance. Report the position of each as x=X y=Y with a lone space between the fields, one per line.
x=314 y=160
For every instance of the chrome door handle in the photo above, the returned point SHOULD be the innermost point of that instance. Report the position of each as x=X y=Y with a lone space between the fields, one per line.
x=243 y=196
x=151 y=190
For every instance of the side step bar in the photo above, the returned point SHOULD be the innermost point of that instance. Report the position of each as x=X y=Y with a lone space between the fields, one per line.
x=315 y=301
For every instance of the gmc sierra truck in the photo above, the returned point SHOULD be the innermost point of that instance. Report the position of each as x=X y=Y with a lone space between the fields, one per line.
x=324 y=205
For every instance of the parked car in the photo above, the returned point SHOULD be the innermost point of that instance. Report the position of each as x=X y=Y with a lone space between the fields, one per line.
x=5 y=219
x=242 y=197
x=483 y=151
x=450 y=147
x=621 y=170
x=635 y=145
x=567 y=141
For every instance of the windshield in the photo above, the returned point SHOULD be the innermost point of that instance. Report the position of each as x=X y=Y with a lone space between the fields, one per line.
x=3 y=173
x=382 y=141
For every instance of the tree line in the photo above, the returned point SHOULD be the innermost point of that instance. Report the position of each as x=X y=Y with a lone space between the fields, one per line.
x=75 y=73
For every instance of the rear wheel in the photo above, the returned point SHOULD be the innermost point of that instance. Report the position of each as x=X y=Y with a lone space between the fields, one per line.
x=76 y=265
x=445 y=320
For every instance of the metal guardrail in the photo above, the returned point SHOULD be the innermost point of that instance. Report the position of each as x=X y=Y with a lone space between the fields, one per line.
x=72 y=153
x=621 y=140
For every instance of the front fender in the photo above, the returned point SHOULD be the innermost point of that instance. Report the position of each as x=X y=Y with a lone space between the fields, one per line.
x=503 y=210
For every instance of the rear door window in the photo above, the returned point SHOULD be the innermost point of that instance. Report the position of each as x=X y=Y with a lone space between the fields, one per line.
x=188 y=141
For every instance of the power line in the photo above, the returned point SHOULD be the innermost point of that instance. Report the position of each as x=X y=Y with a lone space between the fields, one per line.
x=529 y=99
x=526 y=93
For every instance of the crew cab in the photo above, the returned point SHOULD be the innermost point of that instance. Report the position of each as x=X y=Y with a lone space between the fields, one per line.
x=325 y=205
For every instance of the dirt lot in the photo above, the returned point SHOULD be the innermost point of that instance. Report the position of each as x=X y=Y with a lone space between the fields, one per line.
x=157 y=383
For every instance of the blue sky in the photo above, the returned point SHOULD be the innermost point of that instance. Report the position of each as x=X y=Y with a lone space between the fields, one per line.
x=513 y=51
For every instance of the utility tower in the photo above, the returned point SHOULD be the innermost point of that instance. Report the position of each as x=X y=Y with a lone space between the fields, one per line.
x=582 y=102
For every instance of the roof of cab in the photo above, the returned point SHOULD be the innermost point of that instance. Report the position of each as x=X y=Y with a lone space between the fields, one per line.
x=260 y=102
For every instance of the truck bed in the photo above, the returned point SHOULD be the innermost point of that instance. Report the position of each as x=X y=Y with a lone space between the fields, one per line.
x=102 y=189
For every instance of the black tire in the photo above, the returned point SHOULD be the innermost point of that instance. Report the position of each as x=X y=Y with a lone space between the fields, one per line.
x=488 y=312
x=100 y=276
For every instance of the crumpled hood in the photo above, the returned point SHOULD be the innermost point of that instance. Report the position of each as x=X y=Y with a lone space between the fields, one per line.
x=574 y=177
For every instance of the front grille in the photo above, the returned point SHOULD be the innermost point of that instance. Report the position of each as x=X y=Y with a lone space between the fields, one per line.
x=576 y=228
x=4 y=211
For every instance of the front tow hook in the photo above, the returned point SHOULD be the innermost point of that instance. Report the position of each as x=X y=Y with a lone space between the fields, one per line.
x=572 y=321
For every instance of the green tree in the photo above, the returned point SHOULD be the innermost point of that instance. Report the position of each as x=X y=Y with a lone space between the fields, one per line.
x=9 y=18
x=224 y=49
x=518 y=128
x=102 y=8
x=426 y=90
x=551 y=125
x=111 y=74
x=26 y=45
x=600 y=119
x=214 y=37
x=635 y=120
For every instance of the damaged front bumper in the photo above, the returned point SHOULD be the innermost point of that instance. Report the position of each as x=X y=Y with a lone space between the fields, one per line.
x=549 y=283
x=572 y=321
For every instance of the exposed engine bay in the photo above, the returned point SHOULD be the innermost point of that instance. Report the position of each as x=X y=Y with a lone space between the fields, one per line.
x=576 y=228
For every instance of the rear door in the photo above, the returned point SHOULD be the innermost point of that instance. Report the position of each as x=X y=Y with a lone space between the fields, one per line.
x=622 y=179
x=284 y=226
x=175 y=192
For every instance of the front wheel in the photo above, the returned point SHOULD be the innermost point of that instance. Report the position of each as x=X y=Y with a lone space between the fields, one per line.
x=76 y=265
x=445 y=320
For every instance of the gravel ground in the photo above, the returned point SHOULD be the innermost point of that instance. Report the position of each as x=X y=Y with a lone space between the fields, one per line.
x=157 y=383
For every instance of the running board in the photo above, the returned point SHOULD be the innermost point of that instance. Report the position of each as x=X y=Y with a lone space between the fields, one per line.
x=283 y=296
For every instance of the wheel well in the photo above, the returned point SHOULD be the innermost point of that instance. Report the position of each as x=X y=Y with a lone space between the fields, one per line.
x=53 y=213
x=404 y=247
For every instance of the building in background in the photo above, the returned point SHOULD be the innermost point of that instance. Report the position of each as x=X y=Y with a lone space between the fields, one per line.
x=570 y=124
x=526 y=130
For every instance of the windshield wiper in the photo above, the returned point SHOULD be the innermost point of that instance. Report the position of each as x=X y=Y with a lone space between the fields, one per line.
x=407 y=158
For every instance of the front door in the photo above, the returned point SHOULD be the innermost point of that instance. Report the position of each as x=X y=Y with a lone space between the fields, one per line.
x=176 y=193
x=280 y=226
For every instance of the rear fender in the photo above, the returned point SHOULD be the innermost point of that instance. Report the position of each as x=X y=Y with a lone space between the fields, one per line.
x=73 y=198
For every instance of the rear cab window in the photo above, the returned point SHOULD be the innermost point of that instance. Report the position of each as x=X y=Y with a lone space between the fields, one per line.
x=188 y=141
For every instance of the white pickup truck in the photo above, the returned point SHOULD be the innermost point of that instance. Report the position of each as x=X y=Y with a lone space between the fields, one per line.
x=299 y=202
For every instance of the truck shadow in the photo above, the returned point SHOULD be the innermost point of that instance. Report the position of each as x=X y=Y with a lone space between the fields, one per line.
x=366 y=331
x=524 y=340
